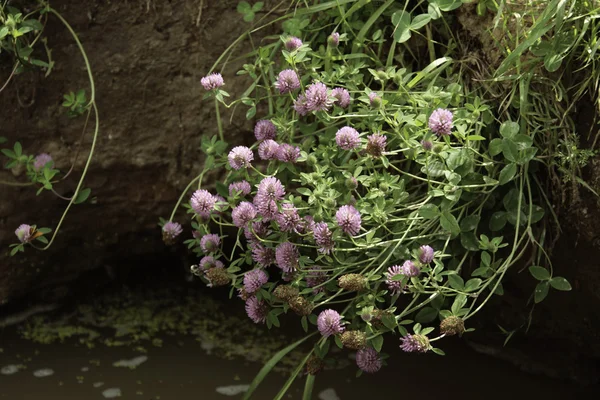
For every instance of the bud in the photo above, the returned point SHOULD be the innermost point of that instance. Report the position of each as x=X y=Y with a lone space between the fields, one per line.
x=374 y=100
x=334 y=39
x=301 y=306
x=285 y=292
x=354 y=340
x=382 y=75
x=314 y=365
x=330 y=203
x=367 y=313
x=384 y=187
x=351 y=183
x=427 y=145
x=452 y=325
x=438 y=148
x=311 y=160
x=218 y=276
x=352 y=282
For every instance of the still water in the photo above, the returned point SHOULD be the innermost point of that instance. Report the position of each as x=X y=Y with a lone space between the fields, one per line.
x=182 y=367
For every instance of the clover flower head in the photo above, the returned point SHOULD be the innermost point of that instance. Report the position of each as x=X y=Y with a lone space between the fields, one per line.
x=368 y=360
x=203 y=202
x=287 y=81
x=241 y=187
x=347 y=138
x=210 y=242
x=287 y=256
x=23 y=233
x=212 y=81
x=240 y=157
x=348 y=218
x=293 y=43
x=41 y=160
x=342 y=97
x=329 y=322
x=287 y=153
x=256 y=309
x=440 y=122
x=265 y=129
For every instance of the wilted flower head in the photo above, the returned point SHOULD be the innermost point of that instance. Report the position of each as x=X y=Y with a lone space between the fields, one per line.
x=242 y=187
x=426 y=254
x=314 y=365
x=342 y=97
x=323 y=237
x=285 y=292
x=212 y=81
x=452 y=325
x=409 y=269
x=374 y=100
x=240 y=157
x=287 y=81
x=267 y=150
x=329 y=323
x=427 y=145
x=243 y=213
x=293 y=43
x=41 y=160
x=368 y=360
x=415 y=343
x=347 y=138
x=254 y=280
x=265 y=129
x=288 y=218
x=256 y=309
x=301 y=306
x=394 y=286
x=271 y=188
x=217 y=277
x=440 y=121
x=334 y=39
x=23 y=232
x=351 y=183
x=348 y=218
x=300 y=105
x=262 y=255
x=210 y=242
x=376 y=144
x=317 y=97
x=352 y=282
x=170 y=231
x=287 y=153
x=203 y=202
x=287 y=256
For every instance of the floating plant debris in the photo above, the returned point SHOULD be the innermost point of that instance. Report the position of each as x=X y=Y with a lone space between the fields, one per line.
x=232 y=390
x=44 y=372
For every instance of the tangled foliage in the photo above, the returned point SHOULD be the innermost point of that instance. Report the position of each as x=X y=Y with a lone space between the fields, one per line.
x=20 y=34
x=378 y=199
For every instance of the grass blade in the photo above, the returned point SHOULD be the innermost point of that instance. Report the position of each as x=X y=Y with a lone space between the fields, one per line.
x=540 y=29
x=271 y=364
x=308 y=387
x=292 y=378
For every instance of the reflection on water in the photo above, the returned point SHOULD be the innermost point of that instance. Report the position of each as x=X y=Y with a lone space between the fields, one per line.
x=180 y=367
